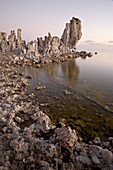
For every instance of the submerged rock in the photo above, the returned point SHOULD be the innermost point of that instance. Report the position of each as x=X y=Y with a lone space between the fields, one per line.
x=40 y=87
x=66 y=92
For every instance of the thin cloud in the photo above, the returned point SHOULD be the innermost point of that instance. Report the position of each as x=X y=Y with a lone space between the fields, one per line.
x=110 y=42
x=89 y=41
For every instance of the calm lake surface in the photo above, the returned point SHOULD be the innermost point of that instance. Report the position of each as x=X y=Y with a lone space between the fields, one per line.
x=89 y=107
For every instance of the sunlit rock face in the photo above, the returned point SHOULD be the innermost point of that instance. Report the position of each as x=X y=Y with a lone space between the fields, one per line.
x=72 y=33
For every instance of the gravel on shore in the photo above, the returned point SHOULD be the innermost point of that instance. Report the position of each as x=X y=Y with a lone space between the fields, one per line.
x=28 y=138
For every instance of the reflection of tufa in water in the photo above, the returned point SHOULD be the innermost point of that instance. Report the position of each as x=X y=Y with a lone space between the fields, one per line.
x=71 y=69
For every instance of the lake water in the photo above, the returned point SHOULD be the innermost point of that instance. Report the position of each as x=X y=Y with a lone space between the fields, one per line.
x=89 y=107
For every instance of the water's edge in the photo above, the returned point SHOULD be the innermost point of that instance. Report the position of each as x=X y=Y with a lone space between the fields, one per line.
x=87 y=116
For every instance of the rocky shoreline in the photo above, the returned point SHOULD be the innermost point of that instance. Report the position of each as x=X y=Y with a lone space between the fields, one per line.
x=28 y=138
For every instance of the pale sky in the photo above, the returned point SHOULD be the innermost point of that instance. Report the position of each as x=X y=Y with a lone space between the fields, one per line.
x=38 y=17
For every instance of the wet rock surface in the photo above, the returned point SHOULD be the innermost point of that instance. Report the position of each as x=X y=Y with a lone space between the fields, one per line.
x=28 y=138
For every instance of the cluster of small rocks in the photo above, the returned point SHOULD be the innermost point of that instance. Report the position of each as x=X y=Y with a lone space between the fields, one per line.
x=27 y=61
x=28 y=138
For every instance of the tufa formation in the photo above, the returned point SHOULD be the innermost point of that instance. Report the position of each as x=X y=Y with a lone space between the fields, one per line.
x=72 y=33
x=42 y=48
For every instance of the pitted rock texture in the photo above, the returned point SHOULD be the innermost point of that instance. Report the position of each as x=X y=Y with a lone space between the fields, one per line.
x=3 y=42
x=28 y=138
x=43 y=48
x=72 y=33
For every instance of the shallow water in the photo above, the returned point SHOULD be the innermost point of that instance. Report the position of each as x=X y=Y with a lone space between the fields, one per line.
x=89 y=107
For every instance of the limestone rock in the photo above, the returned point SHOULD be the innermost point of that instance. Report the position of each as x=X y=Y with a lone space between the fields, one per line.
x=29 y=139
x=97 y=141
x=72 y=33
x=47 y=44
x=40 y=44
x=66 y=135
x=95 y=160
x=55 y=44
x=3 y=41
x=107 y=156
x=66 y=92
x=19 y=38
x=13 y=44
x=32 y=48
x=95 y=150
x=84 y=160
x=12 y=40
x=43 y=50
